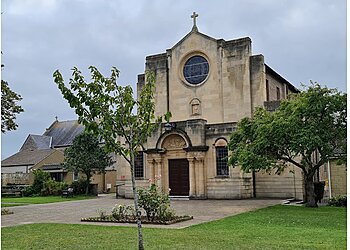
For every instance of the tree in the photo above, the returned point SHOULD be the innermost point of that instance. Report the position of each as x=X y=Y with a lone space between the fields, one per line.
x=311 y=122
x=86 y=156
x=9 y=107
x=107 y=109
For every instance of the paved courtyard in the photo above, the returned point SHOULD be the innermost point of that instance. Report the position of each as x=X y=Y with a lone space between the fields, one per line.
x=71 y=212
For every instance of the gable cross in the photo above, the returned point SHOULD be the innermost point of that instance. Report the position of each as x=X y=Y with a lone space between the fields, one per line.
x=194 y=16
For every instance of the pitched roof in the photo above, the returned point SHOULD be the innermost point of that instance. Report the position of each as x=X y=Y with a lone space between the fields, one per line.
x=36 y=142
x=26 y=157
x=64 y=132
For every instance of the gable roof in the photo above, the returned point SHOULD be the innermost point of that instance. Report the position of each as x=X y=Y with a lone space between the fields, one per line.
x=194 y=31
x=63 y=132
x=27 y=157
x=36 y=142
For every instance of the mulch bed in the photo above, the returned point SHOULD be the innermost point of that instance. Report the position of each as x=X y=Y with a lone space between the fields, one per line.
x=143 y=220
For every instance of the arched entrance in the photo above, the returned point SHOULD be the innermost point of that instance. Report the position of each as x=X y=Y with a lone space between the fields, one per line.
x=176 y=166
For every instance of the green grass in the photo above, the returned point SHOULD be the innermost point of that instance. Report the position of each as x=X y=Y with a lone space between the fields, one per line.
x=40 y=200
x=278 y=227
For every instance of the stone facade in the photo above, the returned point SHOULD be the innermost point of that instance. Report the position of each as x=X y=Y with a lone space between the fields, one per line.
x=184 y=156
x=334 y=176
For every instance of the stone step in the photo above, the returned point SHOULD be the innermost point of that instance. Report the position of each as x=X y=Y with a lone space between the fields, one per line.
x=179 y=198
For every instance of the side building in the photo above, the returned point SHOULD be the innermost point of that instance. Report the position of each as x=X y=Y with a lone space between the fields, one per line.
x=46 y=152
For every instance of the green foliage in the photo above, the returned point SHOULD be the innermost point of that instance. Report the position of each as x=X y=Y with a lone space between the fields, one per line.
x=124 y=212
x=28 y=191
x=40 y=177
x=79 y=186
x=9 y=107
x=52 y=187
x=86 y=155
x=311 y=121
x=338 y=201
x=155 y=203
x=111 y=112
x=107 y=108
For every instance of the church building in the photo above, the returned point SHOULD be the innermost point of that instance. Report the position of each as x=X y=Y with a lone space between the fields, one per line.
x=208 y=85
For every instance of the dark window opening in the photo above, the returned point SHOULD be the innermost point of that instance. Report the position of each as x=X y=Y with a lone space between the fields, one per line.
x=139 y=165
x=278 y=93
x=267 y=91
x=221 y=161
x=57 y=176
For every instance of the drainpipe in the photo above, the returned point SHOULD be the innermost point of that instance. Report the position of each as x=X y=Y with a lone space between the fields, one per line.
x=329 y=179
x=254 y=185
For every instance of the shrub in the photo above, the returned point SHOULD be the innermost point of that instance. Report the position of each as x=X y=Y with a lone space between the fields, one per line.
x=102 y=213
x=52 y=187
x=79 y=186
x=123 y=212
x=337 y=201
x=155 y=203
x=40 y=177
x=28 y=191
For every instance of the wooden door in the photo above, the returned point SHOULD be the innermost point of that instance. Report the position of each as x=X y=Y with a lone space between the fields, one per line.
x=179 y=182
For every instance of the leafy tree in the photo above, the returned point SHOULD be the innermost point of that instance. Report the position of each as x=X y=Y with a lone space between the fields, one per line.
x=9 y=107
x=86 y=156
x=311 y=122
x=40 y=177
x=108 y=110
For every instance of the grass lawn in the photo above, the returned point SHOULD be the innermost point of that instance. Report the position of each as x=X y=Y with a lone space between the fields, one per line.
x=40 y=200
x=278 y=227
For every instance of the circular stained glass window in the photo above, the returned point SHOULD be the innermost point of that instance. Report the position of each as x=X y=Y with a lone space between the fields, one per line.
x=196 y=70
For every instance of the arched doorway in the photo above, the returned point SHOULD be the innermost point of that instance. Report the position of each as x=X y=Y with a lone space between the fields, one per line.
x=176 y=165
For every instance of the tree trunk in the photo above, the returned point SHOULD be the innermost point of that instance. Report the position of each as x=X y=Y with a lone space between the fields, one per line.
x=136 y=201
x=310 y=197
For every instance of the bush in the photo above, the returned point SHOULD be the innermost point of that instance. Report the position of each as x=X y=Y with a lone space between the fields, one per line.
x=123 y=212
x=155 y=203
x=52 y=187
x=79 y=186
x=337 y=201
x=40 y=177
x=28 y=191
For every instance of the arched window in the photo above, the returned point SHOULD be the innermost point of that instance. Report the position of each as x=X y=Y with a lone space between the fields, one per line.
x=221 y=158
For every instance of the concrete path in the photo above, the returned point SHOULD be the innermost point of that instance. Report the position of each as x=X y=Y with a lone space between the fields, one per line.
x=71 y=212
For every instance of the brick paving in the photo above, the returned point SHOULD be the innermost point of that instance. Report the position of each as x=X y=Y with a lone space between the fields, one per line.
x=70 y=212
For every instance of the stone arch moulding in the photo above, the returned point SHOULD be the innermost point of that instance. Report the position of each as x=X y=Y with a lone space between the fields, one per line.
x=220 y=142
x=177 y=132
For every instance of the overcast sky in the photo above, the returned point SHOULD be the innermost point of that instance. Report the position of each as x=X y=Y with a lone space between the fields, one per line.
x=302 y=40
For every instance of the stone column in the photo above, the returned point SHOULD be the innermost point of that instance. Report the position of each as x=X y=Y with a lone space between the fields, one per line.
x=158 y=172
x=150 y=165
x=192 y=192
x=200 y=179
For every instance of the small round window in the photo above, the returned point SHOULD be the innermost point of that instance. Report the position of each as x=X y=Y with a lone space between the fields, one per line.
x=196 y=70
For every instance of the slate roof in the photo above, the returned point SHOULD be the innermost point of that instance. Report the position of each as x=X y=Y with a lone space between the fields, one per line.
x=27 y=157
x=63 y=132
x=36 y=142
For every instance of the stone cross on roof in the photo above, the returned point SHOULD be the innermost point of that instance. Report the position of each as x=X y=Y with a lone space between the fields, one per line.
x=194 y=16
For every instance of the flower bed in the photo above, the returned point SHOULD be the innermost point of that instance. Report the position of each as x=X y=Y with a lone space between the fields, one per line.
x=144 y=220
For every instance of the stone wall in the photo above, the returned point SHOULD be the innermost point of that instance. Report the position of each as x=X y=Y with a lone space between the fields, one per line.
x=288 y=184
